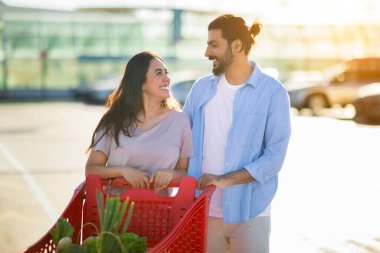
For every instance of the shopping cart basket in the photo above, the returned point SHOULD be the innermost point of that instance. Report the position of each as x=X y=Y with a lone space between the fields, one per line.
x=170 y=224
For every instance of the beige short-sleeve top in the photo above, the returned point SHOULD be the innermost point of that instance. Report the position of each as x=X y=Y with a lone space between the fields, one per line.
x=157 y=148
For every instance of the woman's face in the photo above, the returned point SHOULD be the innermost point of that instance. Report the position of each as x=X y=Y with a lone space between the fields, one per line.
x=157 y=81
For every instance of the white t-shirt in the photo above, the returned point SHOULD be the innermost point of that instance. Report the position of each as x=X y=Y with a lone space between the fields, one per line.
x=218 y=120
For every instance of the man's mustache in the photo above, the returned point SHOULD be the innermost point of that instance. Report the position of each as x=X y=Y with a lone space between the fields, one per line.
x=212 y=58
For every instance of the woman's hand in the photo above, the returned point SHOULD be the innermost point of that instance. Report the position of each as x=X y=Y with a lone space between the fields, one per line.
x=162 y=178
x=137 y=178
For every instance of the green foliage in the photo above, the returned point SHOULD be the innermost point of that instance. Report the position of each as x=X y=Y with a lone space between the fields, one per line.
x=109 y=240
x=62 y=229
x=65 y=245
x=90 y=244
x=133 y=243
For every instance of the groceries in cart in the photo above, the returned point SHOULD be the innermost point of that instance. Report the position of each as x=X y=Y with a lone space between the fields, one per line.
x=108 y=238
x=153 y=224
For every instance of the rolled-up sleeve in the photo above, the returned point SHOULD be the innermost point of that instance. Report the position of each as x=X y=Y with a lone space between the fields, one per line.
x=276 y=138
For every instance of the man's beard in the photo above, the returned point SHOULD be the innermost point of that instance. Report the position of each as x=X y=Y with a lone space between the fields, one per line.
x=223 y=62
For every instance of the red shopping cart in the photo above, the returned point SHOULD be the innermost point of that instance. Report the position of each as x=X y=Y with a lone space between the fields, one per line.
x=170 y=224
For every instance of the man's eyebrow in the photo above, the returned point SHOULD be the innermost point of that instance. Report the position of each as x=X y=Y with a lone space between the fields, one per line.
x=211 y=42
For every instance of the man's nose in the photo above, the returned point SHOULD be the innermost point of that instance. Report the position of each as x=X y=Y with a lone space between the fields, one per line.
x=207 y=52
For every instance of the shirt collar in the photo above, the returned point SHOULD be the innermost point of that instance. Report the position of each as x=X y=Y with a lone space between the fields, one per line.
x=253 y=79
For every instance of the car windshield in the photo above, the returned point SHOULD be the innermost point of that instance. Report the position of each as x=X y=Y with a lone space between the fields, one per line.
x=369 y=90
x=302 y=79
x=354 y=72
x=333 y=72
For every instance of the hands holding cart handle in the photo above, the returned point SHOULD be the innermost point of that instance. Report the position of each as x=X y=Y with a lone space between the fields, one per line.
x=162 y=178
x=137 y=178
x=222 y=181
x=159 y=180
x=209 y=179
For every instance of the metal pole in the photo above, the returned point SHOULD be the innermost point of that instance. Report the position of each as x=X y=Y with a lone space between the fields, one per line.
x=4 y=40
x=177 y=30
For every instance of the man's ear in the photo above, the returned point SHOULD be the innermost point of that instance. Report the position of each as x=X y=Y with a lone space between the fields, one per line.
x=237 y=46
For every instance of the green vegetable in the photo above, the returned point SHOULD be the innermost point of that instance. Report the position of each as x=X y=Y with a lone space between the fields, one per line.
x=109 y=240
x=64 y=245
x=133 y=243
x=75 y=248
x=62 y=229
x=90 y=244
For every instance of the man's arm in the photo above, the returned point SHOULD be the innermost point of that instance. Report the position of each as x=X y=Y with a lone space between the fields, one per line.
x=276 y=139
x=270 y=162
x=235 y=177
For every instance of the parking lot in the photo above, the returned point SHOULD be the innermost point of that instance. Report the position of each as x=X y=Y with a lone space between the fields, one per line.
x=327 y=199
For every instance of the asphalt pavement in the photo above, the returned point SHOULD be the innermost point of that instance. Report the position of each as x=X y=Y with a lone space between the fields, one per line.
x=327 y=199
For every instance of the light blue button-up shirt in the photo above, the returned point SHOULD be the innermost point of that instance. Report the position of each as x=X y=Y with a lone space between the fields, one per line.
x=257 y=141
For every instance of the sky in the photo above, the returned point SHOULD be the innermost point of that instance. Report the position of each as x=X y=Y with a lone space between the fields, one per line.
x=270 y=11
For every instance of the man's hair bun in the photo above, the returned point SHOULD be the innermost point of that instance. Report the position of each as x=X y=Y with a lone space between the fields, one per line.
x=255 y=29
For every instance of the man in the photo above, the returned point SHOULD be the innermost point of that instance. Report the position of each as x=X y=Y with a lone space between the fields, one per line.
x=241 y=127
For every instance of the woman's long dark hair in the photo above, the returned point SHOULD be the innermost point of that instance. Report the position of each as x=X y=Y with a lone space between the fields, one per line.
x=126 y=101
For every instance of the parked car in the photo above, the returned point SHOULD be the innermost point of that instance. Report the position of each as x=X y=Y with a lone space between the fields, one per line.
x=336 y=85
x=367 y=105
x=98 y=92
x=181 y=89
x=181 y=83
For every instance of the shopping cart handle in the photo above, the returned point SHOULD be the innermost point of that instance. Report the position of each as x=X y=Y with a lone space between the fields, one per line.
x=120 y=181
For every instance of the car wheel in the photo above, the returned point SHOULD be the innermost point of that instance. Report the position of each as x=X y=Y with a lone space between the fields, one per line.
x=317 y=102
x=367 y=111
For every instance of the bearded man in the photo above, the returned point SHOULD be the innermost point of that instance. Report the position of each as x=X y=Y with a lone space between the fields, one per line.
x=241 y=128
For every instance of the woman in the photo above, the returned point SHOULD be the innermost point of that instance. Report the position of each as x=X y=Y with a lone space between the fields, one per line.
x=141 y=137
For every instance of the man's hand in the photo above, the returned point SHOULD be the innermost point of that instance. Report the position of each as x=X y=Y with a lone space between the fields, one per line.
x=210 y=179
x=235 y=177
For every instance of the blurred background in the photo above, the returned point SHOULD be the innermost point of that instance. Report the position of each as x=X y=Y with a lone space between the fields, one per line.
x=59 y=60
x=65 y=50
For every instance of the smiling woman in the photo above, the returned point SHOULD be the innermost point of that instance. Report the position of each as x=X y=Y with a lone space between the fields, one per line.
x=141 y=137
x=156 y=86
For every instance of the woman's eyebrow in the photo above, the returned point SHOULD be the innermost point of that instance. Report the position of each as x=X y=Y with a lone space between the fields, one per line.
x=160 y=70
